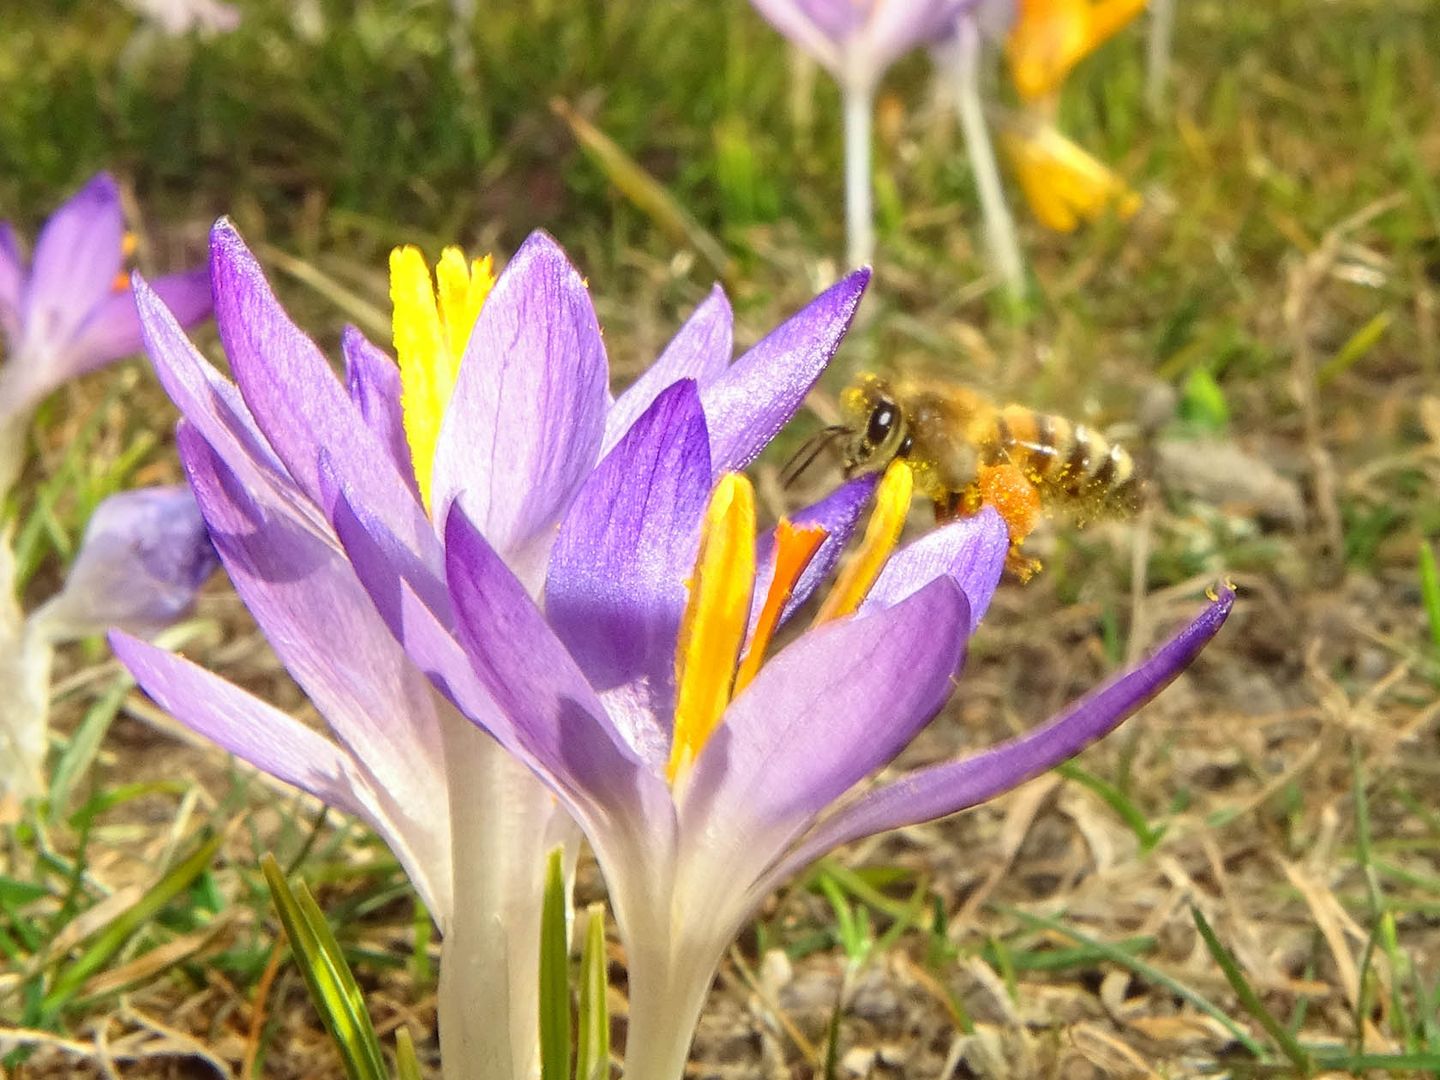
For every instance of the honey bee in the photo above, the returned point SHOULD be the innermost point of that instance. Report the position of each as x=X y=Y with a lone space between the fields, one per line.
x=968 y=452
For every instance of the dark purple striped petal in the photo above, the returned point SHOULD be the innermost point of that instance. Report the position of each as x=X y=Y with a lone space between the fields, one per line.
x=373 y=380
x=934 y=792
x=615 y=590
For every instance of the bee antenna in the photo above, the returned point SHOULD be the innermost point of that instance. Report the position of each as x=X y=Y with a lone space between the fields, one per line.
x=809 y=450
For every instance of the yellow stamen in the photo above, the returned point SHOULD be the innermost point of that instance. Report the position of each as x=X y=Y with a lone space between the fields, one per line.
x=892 y=505
x=430 y=339
x=129 y=244
x=795 y=546
x=1051 y=36
x=716 y=615
x=1063 y=183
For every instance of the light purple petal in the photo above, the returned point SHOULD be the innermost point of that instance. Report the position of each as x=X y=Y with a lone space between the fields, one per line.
x=934 y=792
x=322 y=625
x=524 y=426
x=286 y=749
x=838 y=514
x=534 y=681
x=77 y=258
x=898 y=26
x=971 y=551
x=298 y=402
x=374 y=383
x=755 y=397
x=831 y=709
x=12 y=279
x=112 y=331
x=211 y=403
x=242 y=724
x=817 y=26
x=700 y=350
x=616 y=585
x=144 y=556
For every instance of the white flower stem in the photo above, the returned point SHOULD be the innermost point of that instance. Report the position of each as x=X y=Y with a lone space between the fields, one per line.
x=504 y=826
x=665 y=1002
x=859 y=96
x=999 y=226
x=1161 y=42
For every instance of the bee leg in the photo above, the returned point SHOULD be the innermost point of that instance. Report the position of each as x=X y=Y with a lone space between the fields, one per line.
x=947 y=507
x=1020 y=566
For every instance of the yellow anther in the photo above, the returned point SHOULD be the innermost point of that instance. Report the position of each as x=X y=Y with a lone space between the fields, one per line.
x=795 y=546
x=1063 y=184
x=430 y=339
x=892 y=505
x=716 y=615
x=1051 y=36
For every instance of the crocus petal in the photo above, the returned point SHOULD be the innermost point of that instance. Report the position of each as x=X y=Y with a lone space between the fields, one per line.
x=77 y=257
x=897 y=26
x=700 y=350
x=616 y=585
x=144 y=555
x=242 y=724
x=212 y=405
x=12 y=276
x=816 y=27
x=934 y=792
x=831 y=709
x=374 y=383
x=296 y=399
x=274 y=743
x=971 y=551
x=534 y=680
x=755 y=397
x=524 y=426
x=322 y=625
x=113 y=329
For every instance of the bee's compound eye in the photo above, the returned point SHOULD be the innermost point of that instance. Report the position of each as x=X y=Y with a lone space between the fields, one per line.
x=882 y=419
x=906 y=445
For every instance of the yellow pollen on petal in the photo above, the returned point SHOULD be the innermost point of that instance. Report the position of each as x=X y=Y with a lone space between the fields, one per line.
x=795 y=546
x=430 y=338
x=716 y=616
x=1051 y=36
x=1064 y=184
x=892 y=506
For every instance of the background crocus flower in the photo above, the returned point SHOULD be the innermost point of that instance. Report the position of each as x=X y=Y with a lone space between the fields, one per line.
x=1051 y=36
x=1064 y=184
x=69 y=309
x=177 y=17
x=857 y=41
x=702 y=772
x=143 y=557
x=296 y=472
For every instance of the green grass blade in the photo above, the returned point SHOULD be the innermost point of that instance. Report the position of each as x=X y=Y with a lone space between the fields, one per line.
x=592 y=1051
x=333 y=990
x=554 y=975
x=116 y=933
x=85 y=744
x=1430 y=592
x=1148 y=835
x=1118 y=956
x=1287 y=1042
x=407 y=1067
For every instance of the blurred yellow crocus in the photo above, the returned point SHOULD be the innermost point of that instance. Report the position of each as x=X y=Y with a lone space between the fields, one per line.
x=1064 y=184
x=1051 y=36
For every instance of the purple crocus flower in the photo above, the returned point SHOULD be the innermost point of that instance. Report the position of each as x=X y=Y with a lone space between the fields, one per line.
x=70 y=310
x=857 y=41
x=143 y=557
x=293 y=470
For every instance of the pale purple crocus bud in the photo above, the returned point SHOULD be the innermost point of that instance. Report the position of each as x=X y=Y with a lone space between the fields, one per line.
x=178 y=17
x=143 y=558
